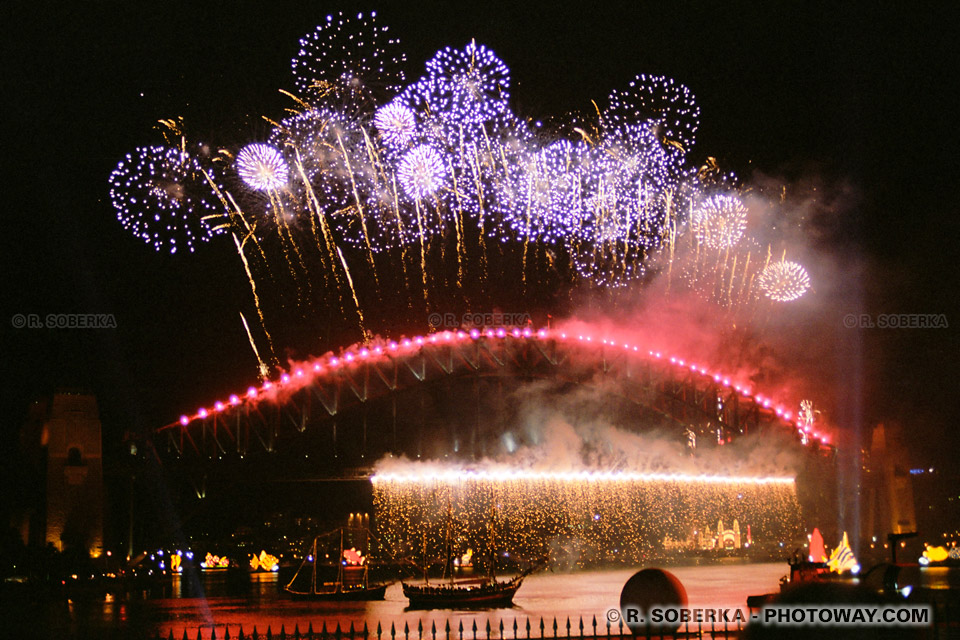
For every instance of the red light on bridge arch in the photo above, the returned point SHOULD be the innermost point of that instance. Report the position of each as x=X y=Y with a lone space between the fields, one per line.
x=501 y=332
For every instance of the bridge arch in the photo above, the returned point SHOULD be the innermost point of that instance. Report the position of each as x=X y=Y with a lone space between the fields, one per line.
x=314 y=395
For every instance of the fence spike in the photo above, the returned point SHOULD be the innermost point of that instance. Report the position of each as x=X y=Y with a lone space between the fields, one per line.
x=283 y=632
x=296 y=631
x=310 y=631
x=337 y=633
x=213 y=633
x=226 y=633
x=269 y=633
x=420 y=628
x=185 y=637
x=254 y=636
x=393 y=631
x=406 y=629
x=352 y=631
x=199 y=635
x=366 y=630
x=379 y=629
x=433 y=629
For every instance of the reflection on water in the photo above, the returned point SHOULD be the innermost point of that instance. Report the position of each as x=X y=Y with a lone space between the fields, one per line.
x=213 y=601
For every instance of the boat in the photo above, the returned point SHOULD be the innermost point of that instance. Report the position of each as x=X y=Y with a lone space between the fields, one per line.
x=483 y=592
x=353 y=575
x=475 y=592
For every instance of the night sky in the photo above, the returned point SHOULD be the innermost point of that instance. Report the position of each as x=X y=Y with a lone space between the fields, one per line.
x=860 y=101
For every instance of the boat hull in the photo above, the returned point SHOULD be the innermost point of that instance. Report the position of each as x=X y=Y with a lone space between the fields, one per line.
x=344 y=595
x=460 y=597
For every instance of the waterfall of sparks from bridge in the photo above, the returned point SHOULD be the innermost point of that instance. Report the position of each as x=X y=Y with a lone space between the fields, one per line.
x=577 y=519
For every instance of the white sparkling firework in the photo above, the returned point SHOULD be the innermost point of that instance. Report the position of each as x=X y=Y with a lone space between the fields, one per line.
x=162 y=196
x=421 y=172
x=784 y=281
x=396 y=124
x=542 y=199
x=447 y=154
x=348 y=55
x=463 y=87
x=719 y=222
x=262 y=167
x=663 y=102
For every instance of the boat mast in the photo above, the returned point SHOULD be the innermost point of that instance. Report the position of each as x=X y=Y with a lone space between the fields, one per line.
x=313 y=571
x=340 y=564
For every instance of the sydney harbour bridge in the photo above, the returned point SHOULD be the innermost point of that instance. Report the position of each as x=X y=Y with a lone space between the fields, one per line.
x=448 y=396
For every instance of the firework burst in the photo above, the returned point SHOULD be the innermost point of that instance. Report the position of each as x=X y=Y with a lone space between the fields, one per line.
x=784 y=281
x=348 y=57
x=719 y=222
x=262 y=167
x=165 y=198
x=439 y=191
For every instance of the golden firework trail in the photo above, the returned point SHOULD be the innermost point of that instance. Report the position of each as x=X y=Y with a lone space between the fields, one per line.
x=423 y=251
x=264 y=369
x=353 y=292
x=360 y=214
x=253 y=289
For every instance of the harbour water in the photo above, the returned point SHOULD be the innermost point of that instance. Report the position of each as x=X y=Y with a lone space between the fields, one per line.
x=547 y=596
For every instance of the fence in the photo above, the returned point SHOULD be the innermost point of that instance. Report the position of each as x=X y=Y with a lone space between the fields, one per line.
x=593 y=630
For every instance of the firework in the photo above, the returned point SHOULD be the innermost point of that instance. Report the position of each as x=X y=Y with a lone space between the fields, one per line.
x=363 y=168
x=463 y=87
x=719 y=221
x=421 y=172
x=262 y=167
x=348 y=56
x=396 y=124
x=666 y=104
x=163 y=197
x=584 y=517
x=784 y=281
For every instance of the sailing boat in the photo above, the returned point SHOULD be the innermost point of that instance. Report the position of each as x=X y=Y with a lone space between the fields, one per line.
x=353 y=577
x=482 y=592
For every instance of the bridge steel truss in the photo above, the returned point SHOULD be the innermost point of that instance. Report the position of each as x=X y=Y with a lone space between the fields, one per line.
x=675 y=391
